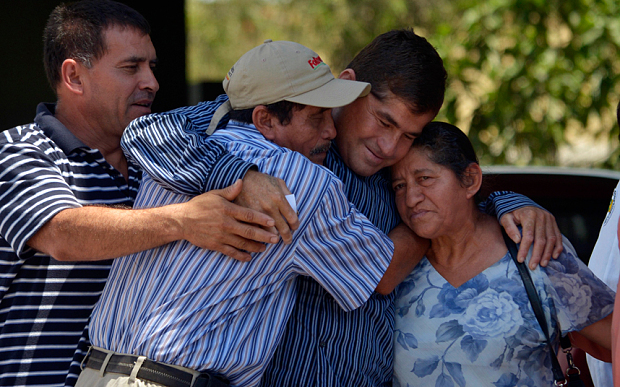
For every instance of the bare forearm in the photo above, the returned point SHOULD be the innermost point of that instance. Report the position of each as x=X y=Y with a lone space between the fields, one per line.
x=595 y=339
x=409 y=249
x=209 y=221
x=96 y=233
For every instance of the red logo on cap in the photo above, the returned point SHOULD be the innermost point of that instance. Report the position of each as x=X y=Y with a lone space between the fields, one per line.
x=315 y=62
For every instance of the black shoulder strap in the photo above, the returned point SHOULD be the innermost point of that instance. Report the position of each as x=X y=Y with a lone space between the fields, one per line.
x=532 y=294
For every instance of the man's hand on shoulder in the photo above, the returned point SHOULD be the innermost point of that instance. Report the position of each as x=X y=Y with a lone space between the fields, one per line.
x=540 y=228
x=212 y=221
x=267 y=194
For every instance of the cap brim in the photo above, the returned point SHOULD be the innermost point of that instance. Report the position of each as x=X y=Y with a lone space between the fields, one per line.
x=335 y=93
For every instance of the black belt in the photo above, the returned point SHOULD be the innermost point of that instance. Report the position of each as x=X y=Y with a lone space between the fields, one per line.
x=152 y=371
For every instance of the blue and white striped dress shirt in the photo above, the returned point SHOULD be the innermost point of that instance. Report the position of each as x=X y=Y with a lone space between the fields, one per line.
x=183 y=305
x=322 y=345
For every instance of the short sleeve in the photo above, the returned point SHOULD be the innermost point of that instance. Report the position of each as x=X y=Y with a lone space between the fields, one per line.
x=32 y=191
x=345 y=253
x=605 y=258
x=578 y=296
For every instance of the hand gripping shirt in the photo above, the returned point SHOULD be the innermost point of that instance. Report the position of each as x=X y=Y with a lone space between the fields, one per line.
x=182 y=305
x=322 y=345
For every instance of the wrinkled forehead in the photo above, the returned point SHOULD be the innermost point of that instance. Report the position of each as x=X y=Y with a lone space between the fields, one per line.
x=128 y=44
x=417 y=158
x=305 y=113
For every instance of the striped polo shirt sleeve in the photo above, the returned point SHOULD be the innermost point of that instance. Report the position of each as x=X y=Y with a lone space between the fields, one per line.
x=32 y=188
x=341 y=249
x=174 y=149
x=499 y=203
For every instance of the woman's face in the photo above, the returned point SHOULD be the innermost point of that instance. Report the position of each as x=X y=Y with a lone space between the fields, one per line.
x=429 y=197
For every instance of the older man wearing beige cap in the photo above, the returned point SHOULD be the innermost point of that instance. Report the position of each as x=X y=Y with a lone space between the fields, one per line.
x=179 y=315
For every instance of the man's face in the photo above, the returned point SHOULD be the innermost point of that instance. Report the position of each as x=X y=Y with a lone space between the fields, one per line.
x=309 y=132
x=374 y=134
x=121 y=86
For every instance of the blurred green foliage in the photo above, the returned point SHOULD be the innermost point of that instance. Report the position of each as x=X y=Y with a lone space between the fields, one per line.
x=528 y=80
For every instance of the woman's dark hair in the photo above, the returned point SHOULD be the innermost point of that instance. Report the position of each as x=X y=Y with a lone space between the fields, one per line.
x=448 y=146
x=75 y=31
x=283 y=110
x=401 y=62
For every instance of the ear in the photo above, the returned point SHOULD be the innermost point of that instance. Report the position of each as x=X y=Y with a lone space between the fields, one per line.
x=347 y=74
x=473 y=179
x=264 y=122
x=71 y=76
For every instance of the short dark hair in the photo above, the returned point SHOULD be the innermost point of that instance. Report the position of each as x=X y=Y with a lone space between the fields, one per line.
x=448 y=146
x=283 y=110
x=75 y=31
x=401 y=62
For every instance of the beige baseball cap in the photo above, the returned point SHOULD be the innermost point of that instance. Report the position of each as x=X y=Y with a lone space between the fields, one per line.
x=284 y=71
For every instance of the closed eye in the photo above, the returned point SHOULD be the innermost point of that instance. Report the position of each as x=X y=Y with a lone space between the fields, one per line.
x=399 y=186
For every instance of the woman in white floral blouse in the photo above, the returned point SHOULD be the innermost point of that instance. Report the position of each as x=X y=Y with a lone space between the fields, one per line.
x=463 y=317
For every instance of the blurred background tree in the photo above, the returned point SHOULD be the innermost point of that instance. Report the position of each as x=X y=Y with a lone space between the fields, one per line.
x=533 y=82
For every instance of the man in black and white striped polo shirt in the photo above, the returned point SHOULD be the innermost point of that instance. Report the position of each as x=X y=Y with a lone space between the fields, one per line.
x=63 y=177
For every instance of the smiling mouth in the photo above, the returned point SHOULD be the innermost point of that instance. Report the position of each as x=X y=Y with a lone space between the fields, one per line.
x=375 y=156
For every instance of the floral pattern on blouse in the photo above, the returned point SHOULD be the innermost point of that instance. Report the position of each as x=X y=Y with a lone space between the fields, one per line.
x=484 y=333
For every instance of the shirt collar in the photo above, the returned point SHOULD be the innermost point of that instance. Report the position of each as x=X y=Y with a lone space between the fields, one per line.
x=248 y=130
x=55 y=130
x=242 y=125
